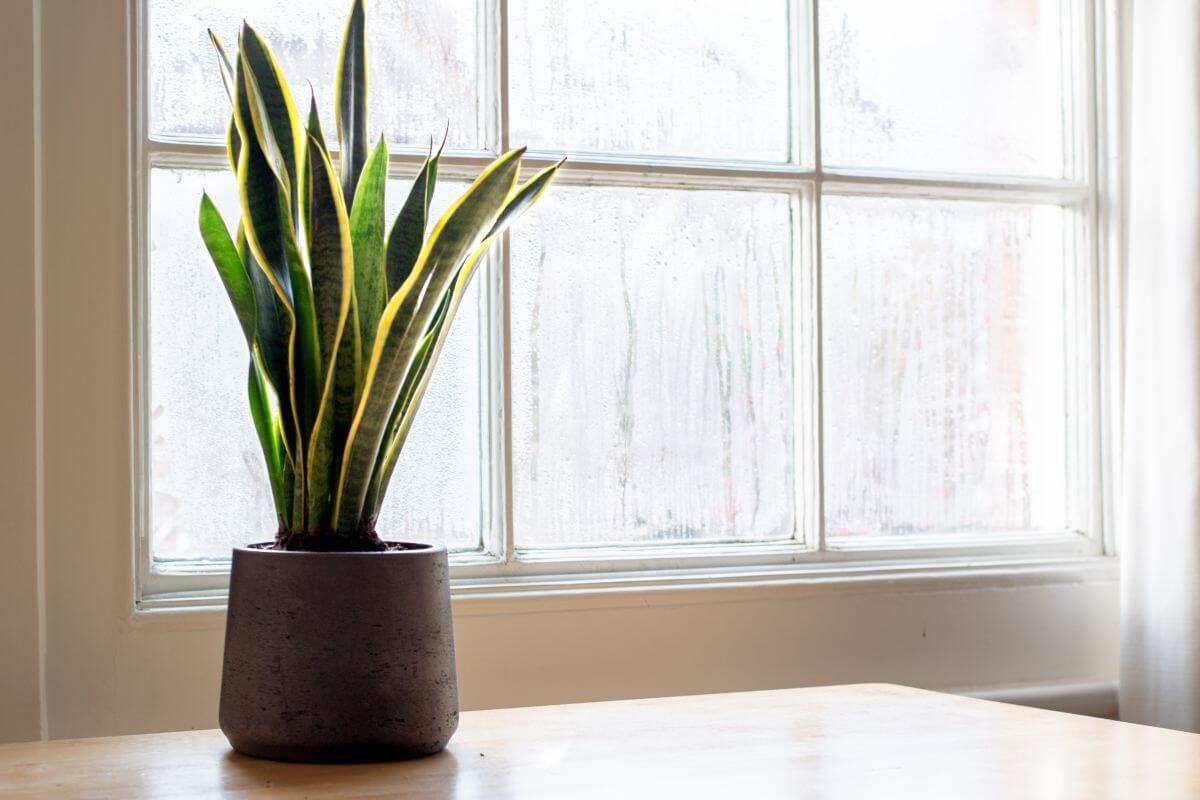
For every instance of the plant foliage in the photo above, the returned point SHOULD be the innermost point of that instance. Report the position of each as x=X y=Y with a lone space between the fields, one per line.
x=343 y=317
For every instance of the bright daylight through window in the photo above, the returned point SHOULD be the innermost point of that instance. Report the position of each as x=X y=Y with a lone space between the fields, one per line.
x=811 y=276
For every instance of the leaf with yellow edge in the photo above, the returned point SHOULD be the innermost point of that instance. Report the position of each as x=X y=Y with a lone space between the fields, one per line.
x=408 y=231
x=366 y=229
x=344 y=320
x=229 y=266
x=280 y=119
x=267 y=221
x=332 y=260
x=405 y=320
x=524 y=198
x=350 y=100
x=233 y=142
x=292 y=270
x=410 y=398
x=260 y=187
x=405 y=410
x=264 y=412
x=314 y=123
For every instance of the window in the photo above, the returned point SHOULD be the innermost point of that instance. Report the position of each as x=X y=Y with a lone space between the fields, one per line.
x=819 y=278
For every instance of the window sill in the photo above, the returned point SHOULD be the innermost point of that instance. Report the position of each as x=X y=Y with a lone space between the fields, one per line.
x=818 y=574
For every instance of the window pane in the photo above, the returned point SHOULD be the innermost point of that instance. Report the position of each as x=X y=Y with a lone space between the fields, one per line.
x=652 y=367
x=971 y=86
x=944 y=362
x=209 y=485
x=704 y=78
x=423 y=67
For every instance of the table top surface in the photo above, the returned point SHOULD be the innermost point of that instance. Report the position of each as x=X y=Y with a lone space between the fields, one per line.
x=863 y=741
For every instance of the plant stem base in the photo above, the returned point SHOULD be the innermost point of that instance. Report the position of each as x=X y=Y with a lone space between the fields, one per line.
x=330 y=542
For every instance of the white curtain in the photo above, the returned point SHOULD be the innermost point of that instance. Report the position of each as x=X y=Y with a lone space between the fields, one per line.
x=1160 y=536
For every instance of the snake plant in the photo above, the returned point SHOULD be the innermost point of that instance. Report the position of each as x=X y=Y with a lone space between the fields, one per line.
x=343 y=318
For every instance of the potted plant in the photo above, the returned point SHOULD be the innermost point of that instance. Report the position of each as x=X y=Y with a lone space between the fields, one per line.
x=338 y=643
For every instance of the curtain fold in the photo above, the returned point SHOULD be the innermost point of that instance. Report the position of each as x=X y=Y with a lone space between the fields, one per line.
x=1160 y=531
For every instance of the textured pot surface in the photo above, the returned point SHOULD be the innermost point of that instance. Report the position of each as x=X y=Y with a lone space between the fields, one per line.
x=339 y=656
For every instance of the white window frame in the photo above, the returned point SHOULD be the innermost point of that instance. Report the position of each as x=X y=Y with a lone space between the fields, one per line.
x=1090 y=196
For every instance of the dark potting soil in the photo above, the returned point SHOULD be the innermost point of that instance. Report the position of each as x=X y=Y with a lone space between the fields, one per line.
x=327 y=542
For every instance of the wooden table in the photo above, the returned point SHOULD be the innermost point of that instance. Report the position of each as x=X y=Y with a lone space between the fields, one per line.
x=872 y=741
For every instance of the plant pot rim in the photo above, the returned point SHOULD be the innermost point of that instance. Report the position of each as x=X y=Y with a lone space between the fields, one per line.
x=406 y=550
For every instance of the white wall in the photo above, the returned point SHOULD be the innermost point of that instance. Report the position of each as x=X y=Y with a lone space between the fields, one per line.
x=162 y=673
x=19 y=641
x=108 y=670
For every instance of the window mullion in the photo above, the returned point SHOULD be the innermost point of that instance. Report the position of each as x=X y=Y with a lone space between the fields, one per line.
x=502 y=87
x=806 y=336
x=1052 y=192
x=816 y=463
x=681 y=173
x=500 y=305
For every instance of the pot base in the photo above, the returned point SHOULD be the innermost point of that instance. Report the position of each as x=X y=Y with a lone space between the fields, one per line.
x=333 y=755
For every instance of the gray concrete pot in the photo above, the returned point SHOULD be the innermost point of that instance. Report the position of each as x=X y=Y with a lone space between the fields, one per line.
x=339 y=656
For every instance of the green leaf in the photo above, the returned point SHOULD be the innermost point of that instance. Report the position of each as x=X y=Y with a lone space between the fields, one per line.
x=313 y=132
x=415 y=383
x=267 y=169
x=224 y=63
x=297 y=522
x=331 y=255
x=229 y=266
x=347 y=393
x=260 y=188
x=267 y=215
x=274 y=102
x=266 y=227
x=410 y=394
x=233 y=142
x=231 y=262
x=293 y=364
x=350 y=100
x=267 y=222
x=366 y=229
x=347 y=384
x=272 y=337
x=264 y=413
x=332 y=261
x=405 y=410
x=307 y=369
x=314 y=124
x=406 y=320
x=344 y=318
x=408 y=231
x=522 y=199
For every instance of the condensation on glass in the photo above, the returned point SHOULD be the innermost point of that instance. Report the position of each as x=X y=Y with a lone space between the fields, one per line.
x=652 y=367
x=698 y=78
x=208 y=483
x=652 y=353
x=424 y=66
x=969 y=86
x=944 y=366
